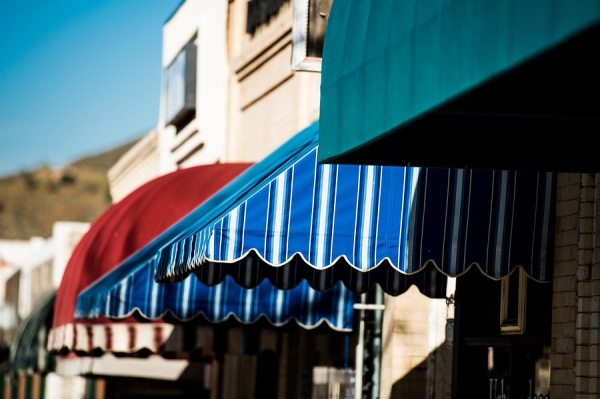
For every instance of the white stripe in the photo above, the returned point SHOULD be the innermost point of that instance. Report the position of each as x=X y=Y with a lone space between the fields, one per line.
x=232 y=239
x=312 y=209
x=424 y=201
x=211 y=246
x=501 y=215
x=278 y=222
x=248 y=310
x=333 y=213
x=537 y=190
x=402 y=261
x=279 y=308
x=446 y=219
x=123 y=297
x=107 y=309
x=242 y=222
x=411 y=220
x=545 y=227
x=368 y=219
x=217 y=305
x=311 y=301
x=491 y=212
x=456 y=221
x=356 y=220
x=221 y=228
x=322 y=222
x=291 y=188
x=341 y=306
x=267 y=221
x=186 y=295
x=415 y=181
x=468 y=218
x=376 y=238
x=154 y=293
x=512 y=219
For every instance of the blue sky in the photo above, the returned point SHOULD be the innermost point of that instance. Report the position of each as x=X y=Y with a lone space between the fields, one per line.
x=77 y=77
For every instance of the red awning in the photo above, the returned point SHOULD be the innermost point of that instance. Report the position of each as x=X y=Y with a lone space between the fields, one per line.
x=128 y=226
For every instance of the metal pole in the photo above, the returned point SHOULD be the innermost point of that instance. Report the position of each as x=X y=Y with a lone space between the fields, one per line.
x=360 y=352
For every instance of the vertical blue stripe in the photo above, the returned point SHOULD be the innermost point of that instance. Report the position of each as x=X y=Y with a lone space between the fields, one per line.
x=322 y=222
x=408 y=219
x=367 y=211
x=277 y=223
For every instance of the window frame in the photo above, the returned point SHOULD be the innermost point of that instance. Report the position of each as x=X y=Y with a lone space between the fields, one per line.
x=300 y=60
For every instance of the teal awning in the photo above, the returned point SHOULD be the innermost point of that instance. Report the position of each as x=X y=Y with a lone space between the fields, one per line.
x=458 y=83
x=25 y=348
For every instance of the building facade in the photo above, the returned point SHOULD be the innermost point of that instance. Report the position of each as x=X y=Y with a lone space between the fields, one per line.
x=138 y=166
x=229 y=94
x=576 y=287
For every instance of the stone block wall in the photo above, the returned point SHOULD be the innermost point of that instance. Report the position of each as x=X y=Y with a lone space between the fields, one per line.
x=564 y=298
x=268 y=102
x=415 y=363
x=576 y=288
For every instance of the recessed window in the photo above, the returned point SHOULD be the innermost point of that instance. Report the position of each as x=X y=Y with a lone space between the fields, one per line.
x=308 y=33
x=181 y=88
x=513 y=303
x=260 y=11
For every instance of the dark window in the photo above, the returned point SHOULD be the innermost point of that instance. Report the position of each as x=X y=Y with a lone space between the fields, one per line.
x=181 y=88
x=259 y=12
x=513 y=299
x=317 y=22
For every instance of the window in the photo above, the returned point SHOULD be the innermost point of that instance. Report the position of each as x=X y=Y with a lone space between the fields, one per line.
x=513 y=303
x=308 y=33
x=260 y=11
x=181 y=88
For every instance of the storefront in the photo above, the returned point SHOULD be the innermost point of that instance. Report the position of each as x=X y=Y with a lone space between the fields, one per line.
x=461 y=84
x=292 y=221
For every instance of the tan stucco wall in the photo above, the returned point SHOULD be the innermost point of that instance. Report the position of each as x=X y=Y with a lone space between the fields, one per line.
x=415 y=362
x=268 y=102
x=137 y=166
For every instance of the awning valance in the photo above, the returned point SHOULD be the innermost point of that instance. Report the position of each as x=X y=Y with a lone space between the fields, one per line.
x=147 y=213
x=292 y=219
x=87 y=338
x=190 y=299
x=434 y=83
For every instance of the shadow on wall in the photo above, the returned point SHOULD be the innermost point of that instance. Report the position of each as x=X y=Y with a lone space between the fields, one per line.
x=416 y=362
x=431 y=379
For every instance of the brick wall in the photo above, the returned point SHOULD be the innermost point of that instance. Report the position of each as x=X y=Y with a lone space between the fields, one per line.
x=565 y=286
x=576 y=287
x=586 y=329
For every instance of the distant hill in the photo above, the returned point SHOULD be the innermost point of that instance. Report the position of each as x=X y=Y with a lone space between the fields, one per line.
x=31 y=201
x=104 y=160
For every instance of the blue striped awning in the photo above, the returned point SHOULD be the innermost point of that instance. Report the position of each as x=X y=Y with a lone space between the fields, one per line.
x=290 y=219
x=190 y=299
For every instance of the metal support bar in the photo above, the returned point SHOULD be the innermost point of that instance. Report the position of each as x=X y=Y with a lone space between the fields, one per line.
x=368 y=306
x=360 y=350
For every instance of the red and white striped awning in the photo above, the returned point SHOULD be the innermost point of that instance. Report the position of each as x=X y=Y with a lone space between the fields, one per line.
x=123 y=229
x=129 y=338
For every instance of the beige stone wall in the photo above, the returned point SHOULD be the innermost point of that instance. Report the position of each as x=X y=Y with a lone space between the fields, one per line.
x=268 y=102
x=576 y=288
x=415 y=363
x=136 y=167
